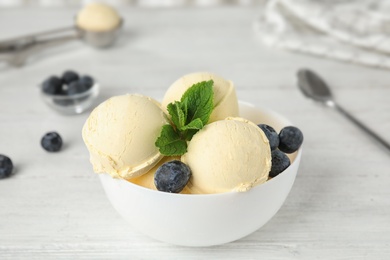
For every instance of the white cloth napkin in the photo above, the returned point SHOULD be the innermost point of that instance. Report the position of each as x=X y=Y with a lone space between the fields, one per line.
x=354 y=31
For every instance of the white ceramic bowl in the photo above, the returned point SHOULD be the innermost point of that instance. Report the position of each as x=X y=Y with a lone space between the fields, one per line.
x=209 y=219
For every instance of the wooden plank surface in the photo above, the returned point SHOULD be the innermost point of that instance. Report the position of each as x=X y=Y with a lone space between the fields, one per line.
x=54 y=206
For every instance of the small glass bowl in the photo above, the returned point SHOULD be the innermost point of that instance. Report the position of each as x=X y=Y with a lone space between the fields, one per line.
x=72 y=104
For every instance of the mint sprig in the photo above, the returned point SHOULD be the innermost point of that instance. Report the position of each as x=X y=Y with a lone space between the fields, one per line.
x=188 y=116
x=169 y=142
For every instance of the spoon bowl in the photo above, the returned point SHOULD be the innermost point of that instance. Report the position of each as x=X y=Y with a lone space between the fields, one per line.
x=314 y=87
x=101 y=39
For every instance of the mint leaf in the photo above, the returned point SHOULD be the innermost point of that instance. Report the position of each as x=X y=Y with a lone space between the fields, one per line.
x=194 y=124
x=170 y=143
x=184 y=107
x=190 y=133
x=178 y=116
x=188 y=116
x=192 y=128
x=200 y=101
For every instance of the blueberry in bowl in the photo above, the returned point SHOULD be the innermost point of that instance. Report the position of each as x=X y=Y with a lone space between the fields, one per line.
x=69 y=76
x=172 y=177
x=71 y=93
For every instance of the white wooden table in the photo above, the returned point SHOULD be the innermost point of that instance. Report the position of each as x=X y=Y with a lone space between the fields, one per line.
x=54 y=207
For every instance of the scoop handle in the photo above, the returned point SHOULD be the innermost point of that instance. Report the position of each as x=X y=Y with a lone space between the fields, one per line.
x=362 y=126
x=15 y=51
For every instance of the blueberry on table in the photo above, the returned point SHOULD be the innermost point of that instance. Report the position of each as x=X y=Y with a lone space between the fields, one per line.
x=76 y=87
x=290 y=139
x=271 y=134
x=6 y=166
x=280 y=162
x=51 y=142
x=52 y=85
x=86 y=81
x=69 y=76
x=172 y=176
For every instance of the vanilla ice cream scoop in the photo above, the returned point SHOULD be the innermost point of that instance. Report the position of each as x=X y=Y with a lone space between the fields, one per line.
x=225 y=98
x=98 y=17
x=120 y=135
x=228 y=155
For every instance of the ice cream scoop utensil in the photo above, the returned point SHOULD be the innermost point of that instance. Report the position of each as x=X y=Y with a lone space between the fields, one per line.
x=16 y=51
x=314 y=87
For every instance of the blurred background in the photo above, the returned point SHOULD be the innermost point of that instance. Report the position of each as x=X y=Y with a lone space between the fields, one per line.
x=146 y=3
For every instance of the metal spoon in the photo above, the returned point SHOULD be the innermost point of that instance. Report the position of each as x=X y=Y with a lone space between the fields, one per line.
x=315 y=88
x=16 y=51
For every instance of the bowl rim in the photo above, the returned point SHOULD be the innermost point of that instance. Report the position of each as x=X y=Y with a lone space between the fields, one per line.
x=296 y=160
x=95 y=87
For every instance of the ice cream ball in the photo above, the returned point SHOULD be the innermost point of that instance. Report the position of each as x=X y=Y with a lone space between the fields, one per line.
x=120 y=134
x=225 y=97
x=228 y=155
x=98 y=17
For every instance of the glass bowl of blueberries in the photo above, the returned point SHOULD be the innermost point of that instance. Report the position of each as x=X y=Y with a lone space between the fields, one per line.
x=71 y=93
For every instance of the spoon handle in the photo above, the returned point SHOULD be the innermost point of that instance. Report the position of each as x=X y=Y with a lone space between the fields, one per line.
x=361 y=126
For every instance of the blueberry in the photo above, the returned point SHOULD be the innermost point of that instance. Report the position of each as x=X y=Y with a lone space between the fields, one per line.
x=51 y=142
x=271 y=134
x=64 y=90
x=76 y=87
x=280 y=162
x=290 y=139
x=6 y=166
x=69 y=76
x=172 y=176
x=52 y=85
x=86 y=82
